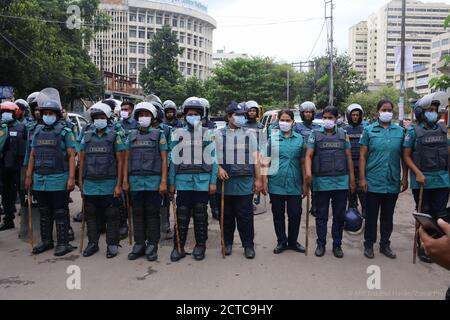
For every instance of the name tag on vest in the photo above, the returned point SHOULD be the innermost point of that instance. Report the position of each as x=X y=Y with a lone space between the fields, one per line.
x=13 y=133
x=143 y=143
x=46 y=142
x=98 y=149
x=331 y=145
x=434 y=139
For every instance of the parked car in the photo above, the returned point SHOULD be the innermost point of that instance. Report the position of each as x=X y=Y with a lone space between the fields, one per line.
x=78 y=120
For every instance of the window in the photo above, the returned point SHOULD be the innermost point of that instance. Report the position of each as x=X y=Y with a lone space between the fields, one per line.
x=195 y=26
x=195 y=40
x=132 y=32
x=159 y=19
x=142 y=33
x=200 y=28
x=141 y=48
x=132 y=47
x=141 y=64
x=445 y=42
x=133 y=17
x=189 y=38
x=175 y=22
x=182 y=67
x=182 y=37
x=189 y=54
x=133 y=66
x=189 y=25
x=141 y=18
x=150 y=34
x=150 y=19
x=182 y=23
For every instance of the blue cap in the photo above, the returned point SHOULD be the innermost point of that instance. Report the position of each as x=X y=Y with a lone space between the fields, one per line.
x=234 y=107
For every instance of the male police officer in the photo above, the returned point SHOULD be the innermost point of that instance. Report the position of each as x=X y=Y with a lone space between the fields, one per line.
x=170 y=112
x=253 y=112
x=126 y=117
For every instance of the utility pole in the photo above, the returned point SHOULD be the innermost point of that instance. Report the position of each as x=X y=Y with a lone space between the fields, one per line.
x=329 y=18
x=288 y=84
x=401 y=104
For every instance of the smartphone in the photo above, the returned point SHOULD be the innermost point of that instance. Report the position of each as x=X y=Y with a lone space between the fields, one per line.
x=429 y=224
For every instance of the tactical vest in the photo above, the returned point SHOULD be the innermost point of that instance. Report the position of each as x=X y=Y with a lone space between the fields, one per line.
x=305 y=131
x=431 y=150
x=196 y=163
x=329 y=156
x=100 y=159
x=15 y=146
x=176 y=124
x=49 y=158
x=144 y=157
x=355 y=133
x=254 y=125
x=211 y=125
x=234 y=169
x=128 y=126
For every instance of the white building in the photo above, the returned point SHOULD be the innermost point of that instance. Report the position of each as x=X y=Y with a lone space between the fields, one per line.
x=220 y=56
x=423 y=22
x=357 y=48
x=124 y=48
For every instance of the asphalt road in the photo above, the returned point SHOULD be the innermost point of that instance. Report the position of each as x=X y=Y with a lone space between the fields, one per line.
x=287 y=276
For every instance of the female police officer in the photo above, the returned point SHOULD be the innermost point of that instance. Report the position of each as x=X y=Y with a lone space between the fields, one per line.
x=329 y=159
x=51 y=171
x=379 y=174
x=285 y=186
x=145 y=175
x=100 y=177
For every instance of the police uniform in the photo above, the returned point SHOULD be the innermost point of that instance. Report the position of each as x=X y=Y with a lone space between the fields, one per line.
x=330 y=181
x=128 y=125
x=144 y=176
x=383 y=178
x=285 y=186
x=99 y=182
x=354 y=133
x=13 y=155
x=192 y=179
x=50 y=176
x=174 y=124
x=3 y=137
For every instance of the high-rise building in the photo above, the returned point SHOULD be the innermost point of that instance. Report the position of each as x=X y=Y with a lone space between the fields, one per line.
x=221 y=55
x=423 y=22
x=357 y=48
x=124 y=48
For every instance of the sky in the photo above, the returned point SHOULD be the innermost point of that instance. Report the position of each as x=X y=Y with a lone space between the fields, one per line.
x=259 y=28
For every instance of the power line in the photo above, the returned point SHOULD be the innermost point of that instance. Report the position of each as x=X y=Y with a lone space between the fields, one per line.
x=317 y=40
x=271 y=23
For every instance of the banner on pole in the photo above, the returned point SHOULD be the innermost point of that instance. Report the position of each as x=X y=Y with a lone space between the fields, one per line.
x=409 y=60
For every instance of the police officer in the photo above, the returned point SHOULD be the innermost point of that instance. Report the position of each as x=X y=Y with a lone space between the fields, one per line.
x=426 y=152
x=379 y=177
x=100 y=176
x=170 y=112
x=13 y=155
x=285 y=186
x=253 y=112
x=242 y=178
x=3 y=137
x=206 y=121
x=51 y=173
x=126 y=117
x=193 y=175
x=355 y=129
x=329 y=160
x=145 y=176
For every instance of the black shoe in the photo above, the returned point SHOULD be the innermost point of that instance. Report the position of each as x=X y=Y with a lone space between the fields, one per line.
x=387 y=251
x=297 y=247
x=91 y=249
x=199 y=252
x=137 y=252
x=42 y=247
x=71 y=234
x=216 y=214
x=176 y=256
x=151 y=252
x=228 y=250
x=280 y=248
x=78 y=217
x=7 y=225
x=368 y=253
x=249 y=253
x=62 y=250
x=123 y=232
x=423 y=256
x=112 y=251
x=338 y=253
x=320 y=251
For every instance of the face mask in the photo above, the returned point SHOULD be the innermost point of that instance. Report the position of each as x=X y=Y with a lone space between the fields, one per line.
x=7 y=117
x=124 y=114
x=431 y=117
x=239 y=121
x=329 y=124
x=100 y=123
x=193 y=120
x=339 y=122
x=49 y=120
x=386 y=117
x=285 y=126
x=145 y=122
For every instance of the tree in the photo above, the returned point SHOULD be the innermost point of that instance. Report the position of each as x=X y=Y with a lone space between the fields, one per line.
x=164 y=51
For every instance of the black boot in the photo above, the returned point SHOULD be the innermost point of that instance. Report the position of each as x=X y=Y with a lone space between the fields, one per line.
x=153 y=217
x=62 y=233
x=215 y=210
x=139 y=232
x=112 y=231
x=92 y=229
x=200 y=230
x=7 y=224
x=46 y=225
x=183 y=217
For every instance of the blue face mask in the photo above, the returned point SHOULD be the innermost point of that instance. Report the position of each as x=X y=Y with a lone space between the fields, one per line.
x=7 y=117
x=193 y=120
x=431 y=117
x=100 y=123
x=239 y=121
x=49 y=120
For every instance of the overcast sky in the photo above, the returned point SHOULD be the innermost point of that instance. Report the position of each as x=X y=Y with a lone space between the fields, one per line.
x=257 y=27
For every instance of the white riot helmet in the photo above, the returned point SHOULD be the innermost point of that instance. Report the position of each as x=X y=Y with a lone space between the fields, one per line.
x=253 y=105
x=100 y=108
x=48 y=99
x=307 y=106
x=169 y=105
x=354 y=107
x=194 y=103
x=145 y=106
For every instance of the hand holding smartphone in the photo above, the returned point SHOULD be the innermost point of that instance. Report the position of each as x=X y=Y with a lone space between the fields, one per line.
x=429 y=225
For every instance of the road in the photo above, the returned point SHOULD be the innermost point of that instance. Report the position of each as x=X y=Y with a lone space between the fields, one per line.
x=287 y=276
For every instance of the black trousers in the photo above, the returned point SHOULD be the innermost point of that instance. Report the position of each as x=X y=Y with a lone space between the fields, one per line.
x=434 y=201
x=239 y=211
x=294 y=213
x=11 y=183
x=383 y=206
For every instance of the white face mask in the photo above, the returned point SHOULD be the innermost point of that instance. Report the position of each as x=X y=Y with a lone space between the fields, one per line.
x=386 y=117
x=329 y=124
x=285 y=126
x=145 y=122
x=124 y=114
